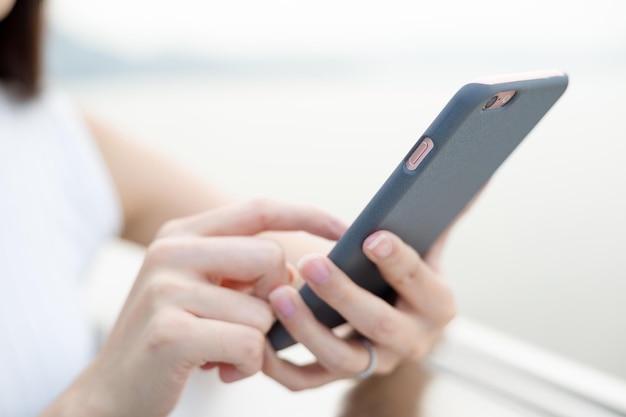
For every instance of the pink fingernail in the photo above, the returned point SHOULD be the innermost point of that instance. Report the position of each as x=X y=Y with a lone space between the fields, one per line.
x=284 y=305
x=381 y=246
x=314 y=269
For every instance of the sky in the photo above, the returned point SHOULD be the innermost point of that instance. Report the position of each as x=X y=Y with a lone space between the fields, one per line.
x=250 y=28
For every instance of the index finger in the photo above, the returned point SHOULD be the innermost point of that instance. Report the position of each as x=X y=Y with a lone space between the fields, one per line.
x=258 y=216
x=252 y=261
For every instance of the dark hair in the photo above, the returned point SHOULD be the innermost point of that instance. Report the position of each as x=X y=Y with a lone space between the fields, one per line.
x=20 y=47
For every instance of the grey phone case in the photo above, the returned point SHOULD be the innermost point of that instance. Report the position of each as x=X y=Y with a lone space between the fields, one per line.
x=470 y=143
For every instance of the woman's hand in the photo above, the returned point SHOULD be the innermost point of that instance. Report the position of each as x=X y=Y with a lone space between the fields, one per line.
x=406 y=330
x=184 y=313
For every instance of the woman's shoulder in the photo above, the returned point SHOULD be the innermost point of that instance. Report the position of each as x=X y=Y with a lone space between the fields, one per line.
x=54 y=125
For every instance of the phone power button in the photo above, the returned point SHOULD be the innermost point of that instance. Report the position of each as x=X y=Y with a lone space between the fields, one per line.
x=418 y=155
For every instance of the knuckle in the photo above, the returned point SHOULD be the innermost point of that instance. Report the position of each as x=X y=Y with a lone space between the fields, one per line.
x=262 y=212
x=264 y=318
x=272 y=252
x=160 y=252
x=384 y=327
x=407 y=278
x=254 y=346
x=412 y=272
x=251 y=348
x=170 y=228
x=165 y=331
x=162 y=287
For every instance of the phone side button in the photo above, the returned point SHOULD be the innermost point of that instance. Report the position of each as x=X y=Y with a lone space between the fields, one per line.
x=418 y=155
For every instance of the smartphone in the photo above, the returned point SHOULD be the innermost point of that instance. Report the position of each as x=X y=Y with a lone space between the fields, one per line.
x=475 y=132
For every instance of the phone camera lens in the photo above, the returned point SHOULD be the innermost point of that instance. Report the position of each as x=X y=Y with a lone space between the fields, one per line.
x=490 y=102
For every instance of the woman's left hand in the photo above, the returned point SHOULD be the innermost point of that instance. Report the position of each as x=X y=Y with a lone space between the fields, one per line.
x=407 y=330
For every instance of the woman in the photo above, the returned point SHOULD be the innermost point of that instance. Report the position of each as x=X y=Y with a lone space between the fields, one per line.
x=67 y=184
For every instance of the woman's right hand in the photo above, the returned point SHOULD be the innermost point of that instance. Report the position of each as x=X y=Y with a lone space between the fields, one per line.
x=186 y=310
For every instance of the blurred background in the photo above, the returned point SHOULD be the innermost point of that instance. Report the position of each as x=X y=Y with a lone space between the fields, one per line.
x=318 y=101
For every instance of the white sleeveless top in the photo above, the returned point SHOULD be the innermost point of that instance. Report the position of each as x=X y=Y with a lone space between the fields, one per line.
x=57 y=205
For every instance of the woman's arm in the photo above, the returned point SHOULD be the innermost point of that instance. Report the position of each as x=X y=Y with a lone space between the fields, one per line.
x=154 y=190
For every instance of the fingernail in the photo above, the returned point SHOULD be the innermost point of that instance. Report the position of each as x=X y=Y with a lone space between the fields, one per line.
x=284 y=305
x=380 y=246
x=314 y=269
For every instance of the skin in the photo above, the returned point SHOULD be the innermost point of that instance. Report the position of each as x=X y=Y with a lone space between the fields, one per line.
x=5 y=7
x=205 y=255
x=402 y=393
x=179 y=316
x=407 y=330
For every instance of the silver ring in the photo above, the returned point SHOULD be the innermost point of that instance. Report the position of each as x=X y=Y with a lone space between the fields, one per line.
x=371 y=367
